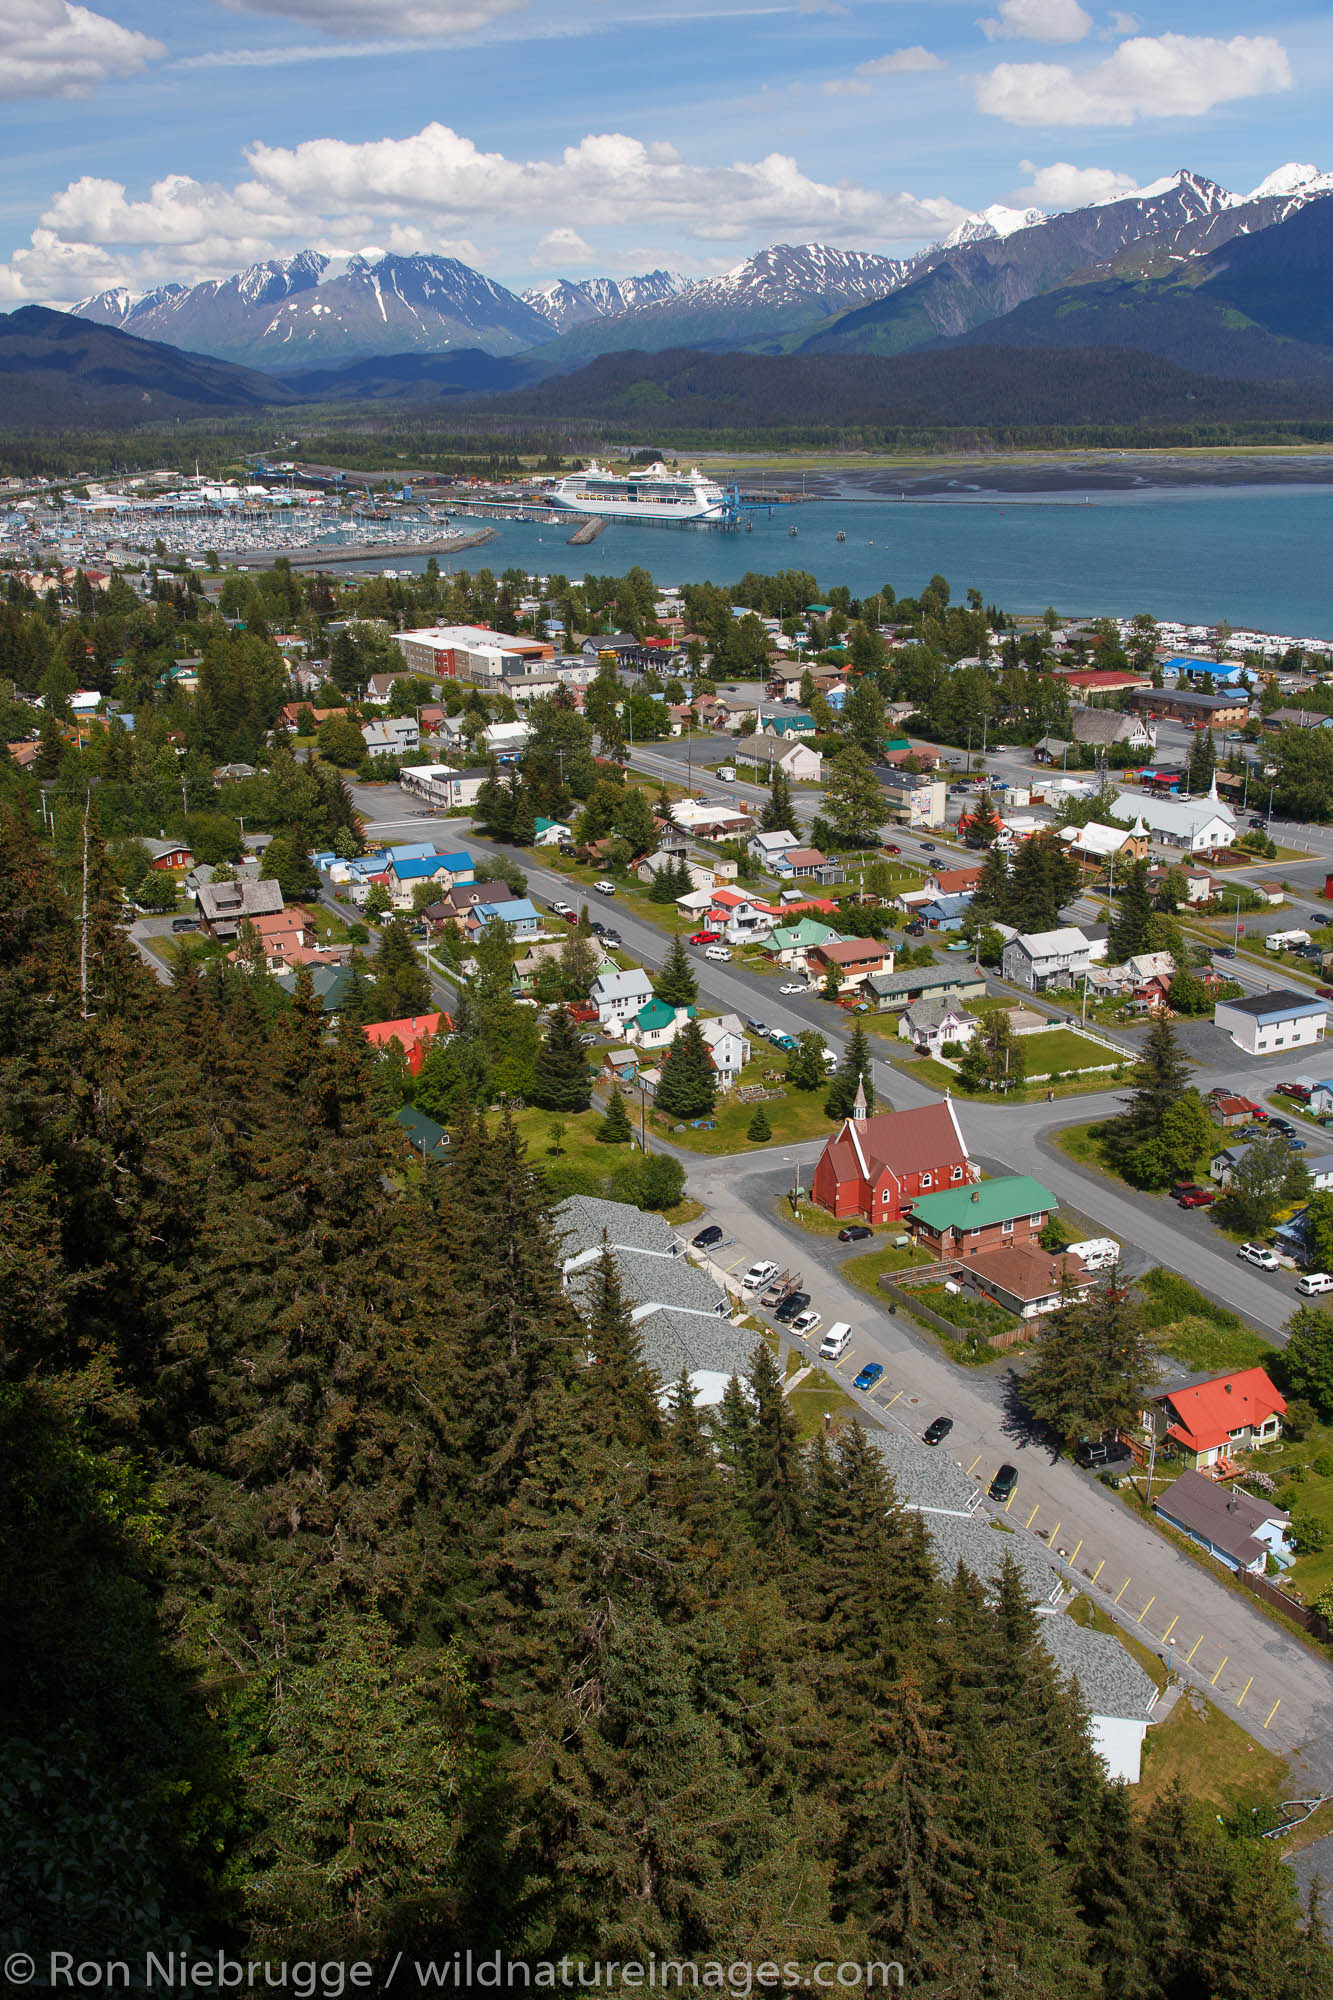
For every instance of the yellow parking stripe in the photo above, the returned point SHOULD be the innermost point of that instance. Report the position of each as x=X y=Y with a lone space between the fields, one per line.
x=1010 y=1501
x=893 y=1399
x=1194 y=1649
x=1074 y=1557
x=1100 y=1567
x=1171 y=1628
x=1245 y=1690
x=1213 y=1682
x=1146 y=1609
x=1123 y=1588
x=975 y=1463
x=1033 y=1515
x=1272 y=1711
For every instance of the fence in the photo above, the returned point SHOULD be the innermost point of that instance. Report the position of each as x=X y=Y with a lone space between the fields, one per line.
x=1300 y=1614
x=1014 y=1336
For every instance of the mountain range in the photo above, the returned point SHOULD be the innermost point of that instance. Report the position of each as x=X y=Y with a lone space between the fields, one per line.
x=312 y=311
x=61 y=373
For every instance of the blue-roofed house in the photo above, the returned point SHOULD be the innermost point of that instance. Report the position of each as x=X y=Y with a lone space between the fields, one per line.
x=522 y=919
x=407 y=872
x=946 y=913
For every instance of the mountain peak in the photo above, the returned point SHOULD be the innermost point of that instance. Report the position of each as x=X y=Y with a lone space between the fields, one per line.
x=990 y=224
x=1293 y=178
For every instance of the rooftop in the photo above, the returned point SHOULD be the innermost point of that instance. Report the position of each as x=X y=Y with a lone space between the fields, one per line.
x=988 y=1202
x=982 y=1547
x=1208 y=1413
x=925 y=1478
x=1220 y=1514
x=1110 y=1680
x=581 y=1219
x=1282 y=1004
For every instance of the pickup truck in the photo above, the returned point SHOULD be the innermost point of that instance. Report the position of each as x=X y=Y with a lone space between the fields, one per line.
x=1195 y=1197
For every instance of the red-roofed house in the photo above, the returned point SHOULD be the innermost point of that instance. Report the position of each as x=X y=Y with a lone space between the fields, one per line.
x=854 y=958
x=874 y=1166
x=1103 y=680
x=413 y=1035
x=1228 y=1414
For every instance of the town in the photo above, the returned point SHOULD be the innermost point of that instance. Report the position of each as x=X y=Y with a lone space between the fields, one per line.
x=909 y=1018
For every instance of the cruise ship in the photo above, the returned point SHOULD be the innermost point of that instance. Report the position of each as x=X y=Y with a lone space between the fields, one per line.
x=654 y=494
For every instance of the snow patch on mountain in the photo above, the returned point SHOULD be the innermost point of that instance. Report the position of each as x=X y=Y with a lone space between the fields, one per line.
x=990 y=224
x=1294 y=178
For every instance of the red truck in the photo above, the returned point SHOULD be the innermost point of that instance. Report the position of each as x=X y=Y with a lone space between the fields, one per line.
x=1195 y=1197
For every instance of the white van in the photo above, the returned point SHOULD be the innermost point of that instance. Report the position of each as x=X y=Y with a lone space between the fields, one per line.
x=836 y=1341
x=1099 y=1253
x=718 y=953
x=1314 y=1281
x=727 y=773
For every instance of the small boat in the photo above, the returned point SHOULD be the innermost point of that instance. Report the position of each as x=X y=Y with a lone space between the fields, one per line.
x=793 y=531
x=840 y=536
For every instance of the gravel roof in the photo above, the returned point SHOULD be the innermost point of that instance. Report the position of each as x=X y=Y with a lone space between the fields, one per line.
x=1110 y=1679
x=925 y=1476
x=981 y=1547
x=581 y=1219
x=673 y=1340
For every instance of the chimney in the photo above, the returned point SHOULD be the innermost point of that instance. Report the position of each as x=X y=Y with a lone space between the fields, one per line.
x=1227 y=1387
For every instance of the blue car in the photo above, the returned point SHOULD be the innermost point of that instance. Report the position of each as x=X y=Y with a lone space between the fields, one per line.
x=783 y=1041
x=869 y=1375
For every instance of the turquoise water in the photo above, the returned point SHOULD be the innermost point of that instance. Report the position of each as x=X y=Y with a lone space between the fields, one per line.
x=1256 y=556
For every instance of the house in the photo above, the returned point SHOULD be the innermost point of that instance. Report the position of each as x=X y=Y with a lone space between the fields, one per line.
x=925 y=1478
x=329 y=983
x=429 y=1139
x=767 y=848
x=979 y=1548
x=517 y=912
x=1205 y=711
x=1195 y=826
x=900 y=989
x=1028 y=1280
x=1321 y=1096
x=529 y=963
x=1232 y=1111
x=506 y=741
x=620 y=1066
x=1099 y=728
x=1096 y=843
x=728 y=1045
x=1148 y=965
x=1240 y=1531
x=1226 y=1414
x=1262 y=1023
x=874 y=1166
x=1043 y=959
x=413 y=1035
x=1104 y=680
x=441 y=786
x=392 y=736
x=912 y=799
x=172 y=855
x=282 y=935
x=786 y=726
x=617 y=995
x=953 y=881
x=225 y=906
x=808 y=864
x=740 y=919
x=406 y=876
x=656 y=1024
x=1224 y=1163
x=944 y=913
x=469 y=895
x=929 y=1024
x=550 y=833
x=791 y=944
x=962 y=1222
x=1116 y=1693
x=852 y=960
x=801 y=762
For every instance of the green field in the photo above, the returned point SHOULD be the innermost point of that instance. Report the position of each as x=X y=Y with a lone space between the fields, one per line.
x=799 y=1115
x=1204 y=1336
x=1064 y=1050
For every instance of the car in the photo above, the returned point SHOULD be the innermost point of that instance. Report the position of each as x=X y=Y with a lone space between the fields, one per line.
x=705 y=937
x=566 y=847
x=705 y=1239
x=936 y=1432
x=611 y=939
x=868 y=1376
x=1297 y=1145
x=1300 y=1091
x=184 y=924
x=758 y=1274
x=795 y=1302
x=562 y=909
x=806 y=1323
x=416 y=930
x=781 y=1041
x=1276 y=1124
x=1257 y=820
x=1094 y=1454
x=1197 y=1197
x=855 y=1232
x=1260 y=1256
x=793 y=989
x=1324 y=992
x=914 y=929
x=758 y=1028
x=1314 y=1281
x=892 y=847
x=588 y=1040
x=927 y=847
x=1223 y=951
x=1004 y=1484
x=605 y=888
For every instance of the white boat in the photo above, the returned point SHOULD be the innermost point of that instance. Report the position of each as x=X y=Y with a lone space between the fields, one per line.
x=654 y=494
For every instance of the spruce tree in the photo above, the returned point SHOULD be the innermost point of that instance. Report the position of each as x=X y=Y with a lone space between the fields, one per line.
x=1203 y=762
x=624 y=1398
x=560 y=1080
x=775 y=1485
x=778 y=809
x=1131 y=915
x=759 y=1131
x=688 y=1088
x=855 y=1067
x=993 y=898
x=983 y=823
x=675 y=983
x=615 y=1128
x=1160 y=1078
x=1094 y=1367
x=402 y=985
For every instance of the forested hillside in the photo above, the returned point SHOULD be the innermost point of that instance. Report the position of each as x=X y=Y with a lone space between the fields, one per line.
x=348 y=1609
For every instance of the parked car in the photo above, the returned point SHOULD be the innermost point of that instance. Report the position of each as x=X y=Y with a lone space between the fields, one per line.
x=855 y=1232
x=794 y=1303
x=915 y=929
x=1276 y=1124
x=1257 y=820
x=611 y=939
x=758 y=1028
x=892 y=847
x=562 y=909
x=758 y=1274
x=1003 y=1485
x=1260 y=1256
x=1300 y=1091
x=598 y=930
x=184 y=924
x=836 y=1341
x=1314 y=1281
x=605 y=888
x=793 y=988
x=1324 y=992
x=781 y=1041
x=806 y=1323
x=705 y=937
x=1197 y=1197
x=936 y=1432
x=706 y=1238
x=868 y=1376
x=1223 y=951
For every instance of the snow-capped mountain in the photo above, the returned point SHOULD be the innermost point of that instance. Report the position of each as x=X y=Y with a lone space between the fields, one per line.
x=990 y=224
x=297 y=311
x=568 y=302
x=1293 y=179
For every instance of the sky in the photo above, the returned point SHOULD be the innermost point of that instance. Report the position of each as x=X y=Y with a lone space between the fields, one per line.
x=536 y=139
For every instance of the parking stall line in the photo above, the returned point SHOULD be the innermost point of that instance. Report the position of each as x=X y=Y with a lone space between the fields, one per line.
x=1272 y=1711
x=1146 y=1609
x=1010 y=1501
x=1123 y=1588
x=1245 y=1690
x=1033 y=1515
x=1194 y=1649
x=1053 y=1533
x=1170 y=1628
x=893 y=1399
x=1077 y=1546
x=1097 y=1572
x=1213 y=1681
x=975 y=1463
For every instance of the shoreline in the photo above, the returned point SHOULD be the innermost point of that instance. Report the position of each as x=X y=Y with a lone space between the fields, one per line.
x=367 y=552
x=1020 y=474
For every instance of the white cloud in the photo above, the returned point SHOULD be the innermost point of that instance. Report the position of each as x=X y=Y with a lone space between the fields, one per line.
x=1121 y=24
x=437 y=188
x=1038 y=21
x=845 y=87
x=1163 y=76
x=559 y=248
x=49 y=48
x=435 y=19
x=901 y=62
x=1064 y=186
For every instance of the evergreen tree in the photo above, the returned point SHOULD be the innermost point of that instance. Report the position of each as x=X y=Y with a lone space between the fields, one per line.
x=518 y=814
x=662 y=887
x=688 y=1088
x=402 y=984
x=675 y=982
x=615 y=1128
x=560 y=1080
x=1131 y=915
x=863 y=717
x=625 y=1405
x=759 y=1131
x=993 y=897
x=855 y=1068
x=1160 y=1078
x=806 y=1069
x=853 y=799
x=495 y=804
x=773 y=1476
x=1094 y=1368
x=1203 y=762
x=51 y=749
x=779 y=809
x=1042 y=880
x=983 y=823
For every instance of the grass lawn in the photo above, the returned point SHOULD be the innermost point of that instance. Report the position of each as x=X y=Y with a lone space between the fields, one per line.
x=1055 y=1049
x=972 y=1314
x=1213 y=1758
x=1311 y=1494
x=820 y=1396
x=799 y=1115
x=865 y=1271
x=1202 y=1335
x=817 y=1221
x=940 y=1077
x=578 y=1146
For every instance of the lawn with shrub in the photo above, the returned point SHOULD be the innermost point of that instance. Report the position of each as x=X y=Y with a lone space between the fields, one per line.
x=962 y=1309
x=1205 y=1337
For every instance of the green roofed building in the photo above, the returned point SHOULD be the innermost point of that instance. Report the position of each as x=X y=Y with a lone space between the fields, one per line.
x=430 y=1140
x=990 y=1215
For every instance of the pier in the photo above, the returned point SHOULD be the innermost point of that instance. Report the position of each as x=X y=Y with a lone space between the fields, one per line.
x=589 y=532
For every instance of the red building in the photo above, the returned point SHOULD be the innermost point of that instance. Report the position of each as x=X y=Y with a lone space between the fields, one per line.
x=414 y=1035
x=874 y=1166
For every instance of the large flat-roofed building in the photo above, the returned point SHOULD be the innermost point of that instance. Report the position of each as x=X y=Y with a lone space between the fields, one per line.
x=473 y=653
x=1263 y=1023
x=1215 y=711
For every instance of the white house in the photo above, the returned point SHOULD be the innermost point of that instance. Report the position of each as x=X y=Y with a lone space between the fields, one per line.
x=617 y=995
x=656 y=1024
x=1263 y=1023
x=928 y=1024
x=506 y=740
x=392 y=736
x=1046 y=958
x=1095 y=842
x=798 y=760
x=1196 y=826
x=1117 y=1694
x=440 y=786
x=767 y=848
x=728 y=1045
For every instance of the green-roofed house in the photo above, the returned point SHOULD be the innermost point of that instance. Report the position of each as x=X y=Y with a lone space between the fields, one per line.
x=789 y=943
x=990 y=1215
x=330 y=984
x=429 y=1139
x=799 y=724
x=656 y=1024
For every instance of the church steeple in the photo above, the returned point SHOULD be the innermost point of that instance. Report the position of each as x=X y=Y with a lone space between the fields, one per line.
x=859 y=1101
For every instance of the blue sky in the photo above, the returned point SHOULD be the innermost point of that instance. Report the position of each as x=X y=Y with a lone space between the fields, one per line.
x=537 y=138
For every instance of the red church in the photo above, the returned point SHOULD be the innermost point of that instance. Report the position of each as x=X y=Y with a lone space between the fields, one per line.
x=874 y=1166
